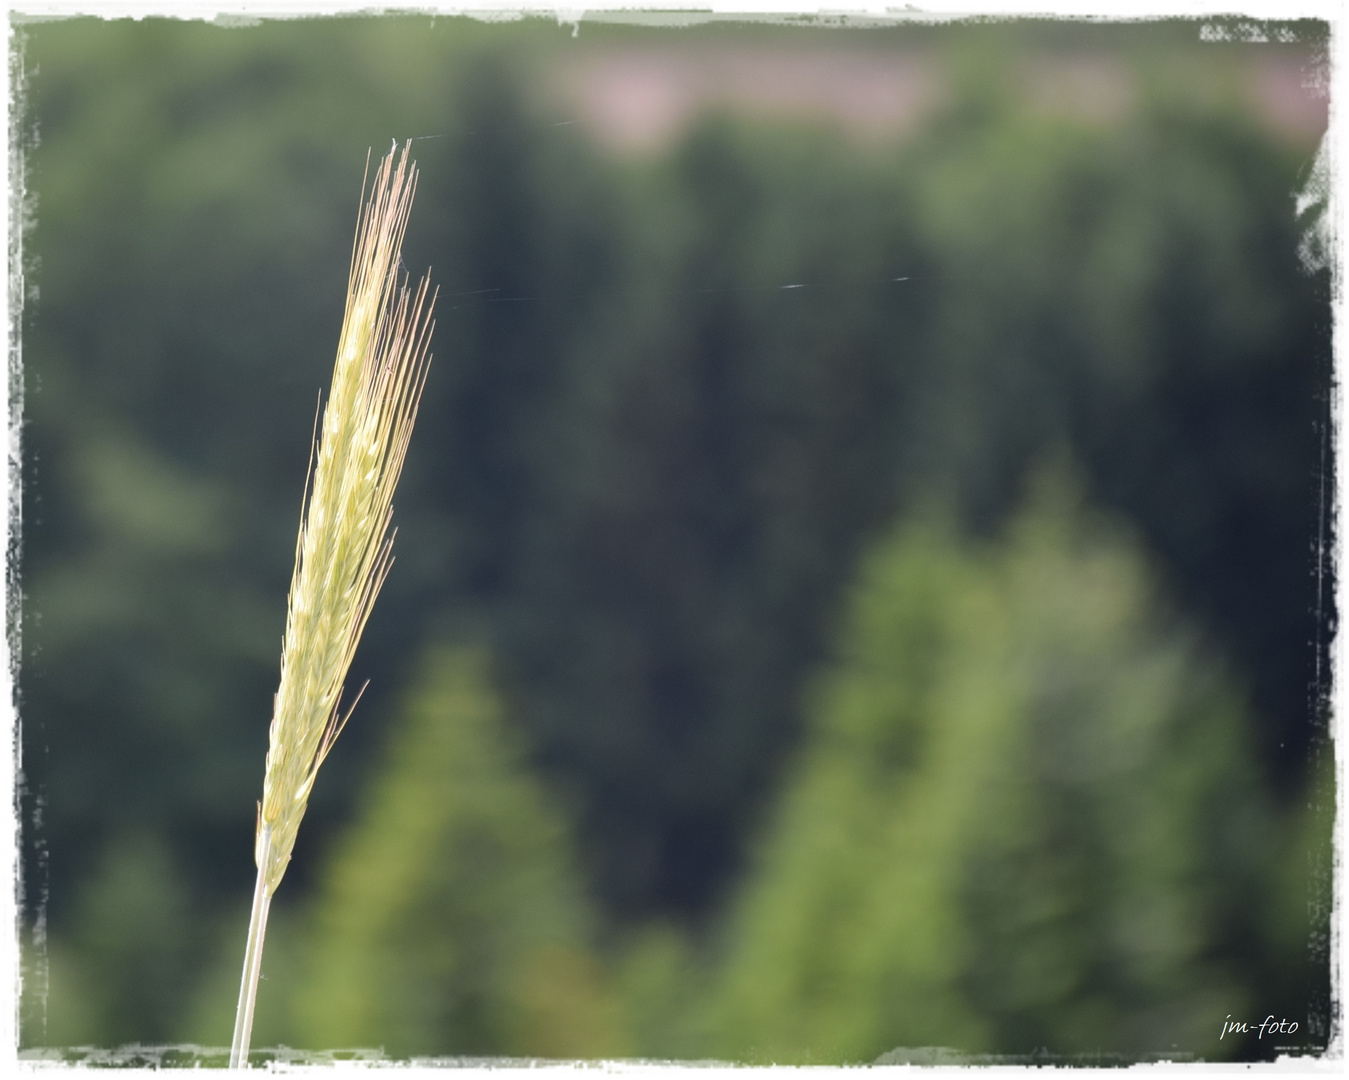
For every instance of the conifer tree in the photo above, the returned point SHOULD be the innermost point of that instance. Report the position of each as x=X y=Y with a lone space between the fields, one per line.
x=450 y=921
x=1025 y=817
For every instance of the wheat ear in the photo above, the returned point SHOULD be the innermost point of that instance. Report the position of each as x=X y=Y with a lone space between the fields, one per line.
x=344 y=548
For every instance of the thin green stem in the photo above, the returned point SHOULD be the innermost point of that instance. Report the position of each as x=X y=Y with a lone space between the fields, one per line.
x=257 y=931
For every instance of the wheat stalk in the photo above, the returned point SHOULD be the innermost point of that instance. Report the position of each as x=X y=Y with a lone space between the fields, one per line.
x=344 y=548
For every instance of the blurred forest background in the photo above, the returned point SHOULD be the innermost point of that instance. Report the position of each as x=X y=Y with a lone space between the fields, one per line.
x=862 y=574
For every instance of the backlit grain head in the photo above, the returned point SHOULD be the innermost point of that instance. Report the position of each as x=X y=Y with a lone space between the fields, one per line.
x=344 y=547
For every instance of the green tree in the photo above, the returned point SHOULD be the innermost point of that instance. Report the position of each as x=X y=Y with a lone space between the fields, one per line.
x=129 y=954
x=719 y=444
x=1025 y=817
x=1135 y=289
x=449 y=919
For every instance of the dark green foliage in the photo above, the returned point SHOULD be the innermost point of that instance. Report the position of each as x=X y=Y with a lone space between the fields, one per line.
x=1139 y=294
x=643 y=468
x=719 y=445
x=1025 y=816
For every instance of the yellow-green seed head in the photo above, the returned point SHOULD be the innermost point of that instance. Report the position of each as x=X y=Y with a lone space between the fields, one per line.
x=345 y=543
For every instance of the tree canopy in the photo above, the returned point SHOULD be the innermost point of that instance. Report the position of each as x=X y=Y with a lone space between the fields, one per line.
x=675 y=399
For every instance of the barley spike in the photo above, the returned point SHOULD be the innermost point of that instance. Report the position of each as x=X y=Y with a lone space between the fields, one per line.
x=345 y=544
